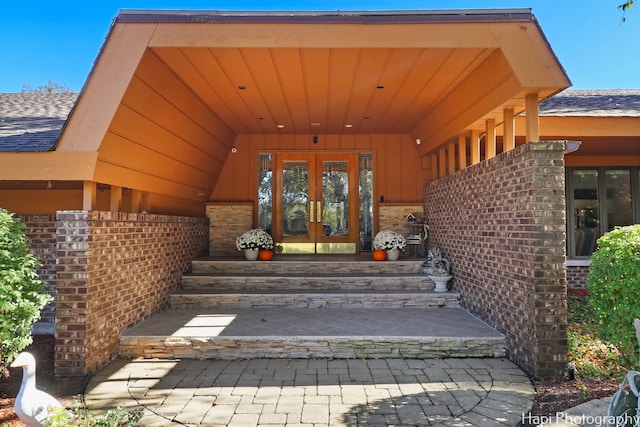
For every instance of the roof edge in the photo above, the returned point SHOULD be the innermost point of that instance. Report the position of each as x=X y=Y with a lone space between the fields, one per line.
x=337 y=16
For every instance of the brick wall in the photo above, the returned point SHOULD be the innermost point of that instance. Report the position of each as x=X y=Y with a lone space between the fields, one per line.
x=502 y=225
x=115 y=269
x=41 y=233
x=226 y=222
x=577 y=276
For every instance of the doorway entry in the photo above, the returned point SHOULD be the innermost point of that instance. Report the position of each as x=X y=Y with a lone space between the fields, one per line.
x=316 y=203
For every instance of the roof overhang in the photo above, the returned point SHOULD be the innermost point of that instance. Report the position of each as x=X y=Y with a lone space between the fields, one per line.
x=430 y=74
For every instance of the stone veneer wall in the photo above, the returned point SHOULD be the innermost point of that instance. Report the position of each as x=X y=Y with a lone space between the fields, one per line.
x=394 y=217
x=114 y=270
x=226 y=222
x=41 y=233
x=502 y=224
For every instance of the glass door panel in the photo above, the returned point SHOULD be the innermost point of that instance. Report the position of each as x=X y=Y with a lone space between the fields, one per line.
x=295 y=198
x=335 y=199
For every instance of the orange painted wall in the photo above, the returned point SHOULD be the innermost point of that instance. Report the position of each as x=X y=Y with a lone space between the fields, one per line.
x=398 y=174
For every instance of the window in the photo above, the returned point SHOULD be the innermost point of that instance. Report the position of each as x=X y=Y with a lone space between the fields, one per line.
x=598 y=200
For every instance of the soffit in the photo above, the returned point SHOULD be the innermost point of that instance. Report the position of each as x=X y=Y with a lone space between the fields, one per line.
x=321 y=90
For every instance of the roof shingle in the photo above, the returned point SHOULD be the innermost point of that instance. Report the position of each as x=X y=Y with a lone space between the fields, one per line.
x=593 y=103
x=33 y=121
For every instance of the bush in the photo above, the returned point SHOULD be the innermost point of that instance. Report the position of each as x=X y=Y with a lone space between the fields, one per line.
x=614 y=288
x=23 y=295
x=79 y=415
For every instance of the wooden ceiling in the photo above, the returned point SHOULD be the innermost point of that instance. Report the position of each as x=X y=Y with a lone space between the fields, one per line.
x=321 y=90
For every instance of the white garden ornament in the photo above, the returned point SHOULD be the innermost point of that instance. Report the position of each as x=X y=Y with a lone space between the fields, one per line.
x=32 y=405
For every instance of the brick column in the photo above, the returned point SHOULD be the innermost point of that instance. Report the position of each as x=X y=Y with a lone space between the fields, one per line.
x=71 y=298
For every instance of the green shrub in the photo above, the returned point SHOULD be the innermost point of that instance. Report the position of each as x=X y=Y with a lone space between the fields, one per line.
x=79 y=415
x=614 y=289
x=22 y=295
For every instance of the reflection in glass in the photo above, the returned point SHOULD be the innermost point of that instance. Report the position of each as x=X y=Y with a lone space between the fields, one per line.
x=618 y=203
x=335 y=198
x=366 y=201
x=295 y=198
x=585 y=203
x=265 y=192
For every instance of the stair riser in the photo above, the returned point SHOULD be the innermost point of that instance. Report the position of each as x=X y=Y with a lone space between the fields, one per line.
x=343 y=283
x=316 y=347
x=307 y=267
x=315 y=300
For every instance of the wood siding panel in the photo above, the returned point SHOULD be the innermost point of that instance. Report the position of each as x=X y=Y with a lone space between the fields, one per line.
x=398 y=172
x=131 y=125
x=158 y=76
x=125 y=153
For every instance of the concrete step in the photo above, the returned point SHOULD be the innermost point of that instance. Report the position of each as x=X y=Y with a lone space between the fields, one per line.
x=305 y=265
x=312 y=333
x=318 y=281
x=189 y=299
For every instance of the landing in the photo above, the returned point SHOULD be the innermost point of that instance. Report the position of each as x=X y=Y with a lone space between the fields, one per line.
x=294 y=322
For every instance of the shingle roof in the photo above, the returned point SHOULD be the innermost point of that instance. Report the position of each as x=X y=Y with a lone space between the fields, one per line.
x=593 y=103
x=33 y=121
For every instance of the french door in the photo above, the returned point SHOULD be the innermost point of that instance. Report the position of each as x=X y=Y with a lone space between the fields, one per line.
x=316 y=203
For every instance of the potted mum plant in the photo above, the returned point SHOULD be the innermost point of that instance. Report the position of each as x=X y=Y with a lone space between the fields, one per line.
x=390 y=241
x=438 y=268
x=252 y=241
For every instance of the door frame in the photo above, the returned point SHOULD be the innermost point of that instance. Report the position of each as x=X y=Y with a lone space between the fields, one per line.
x=316 y=242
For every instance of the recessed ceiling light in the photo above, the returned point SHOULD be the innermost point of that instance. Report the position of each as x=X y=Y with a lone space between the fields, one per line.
x=242 y=87
x=315 y=124
x=380 y=87
x=280 y=126
x=348 y=126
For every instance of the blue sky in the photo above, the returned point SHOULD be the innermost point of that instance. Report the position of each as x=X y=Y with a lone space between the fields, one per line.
x=59 y=40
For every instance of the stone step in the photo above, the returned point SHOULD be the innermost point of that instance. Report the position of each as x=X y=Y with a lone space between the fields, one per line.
x=187 y=299
x=318 y=281
x=321 y=264
x=312 y=333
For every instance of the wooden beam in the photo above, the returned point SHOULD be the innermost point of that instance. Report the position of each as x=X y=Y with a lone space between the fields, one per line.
x=532 y=128
x=89 y=192
x=136 y=199
x=442 y=163
x=451 y=152
x=49 y=166
x=475 y=147
x=509 y=137
x=434 y=167
x=106 y=86
x=462 y=152
x=490 y=139
x=116 y=199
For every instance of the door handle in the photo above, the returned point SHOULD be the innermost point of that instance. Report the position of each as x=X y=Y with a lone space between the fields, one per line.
x=311 y=212
x=319 y=212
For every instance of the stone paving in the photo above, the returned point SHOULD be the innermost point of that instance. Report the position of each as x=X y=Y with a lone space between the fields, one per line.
x=316 y=392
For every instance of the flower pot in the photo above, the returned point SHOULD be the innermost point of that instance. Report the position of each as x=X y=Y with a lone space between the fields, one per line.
x=440 y=282
x=251 y=254
x=379 y=255
x=393 y=254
